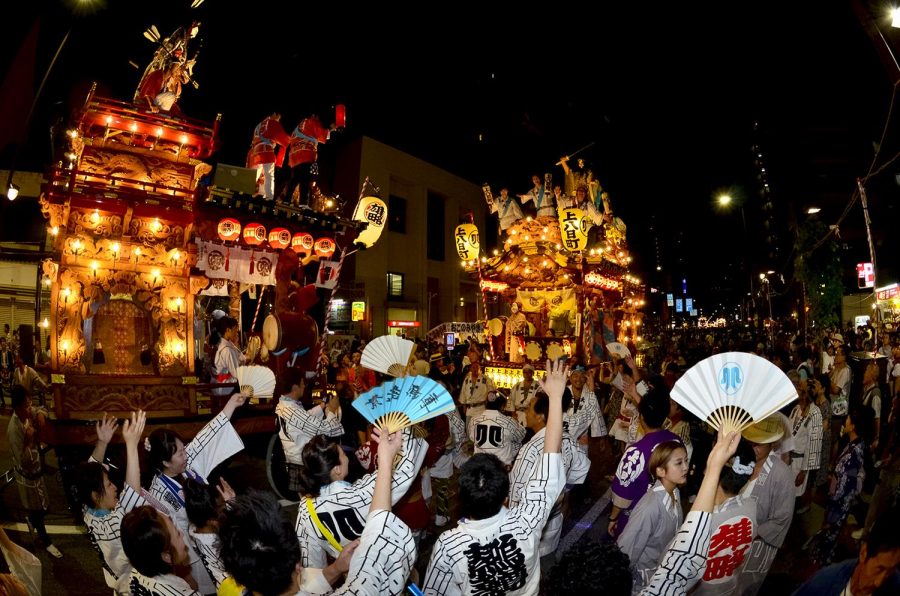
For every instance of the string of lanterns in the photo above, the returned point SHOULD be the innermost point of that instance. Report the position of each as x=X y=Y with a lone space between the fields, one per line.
x=255 y=234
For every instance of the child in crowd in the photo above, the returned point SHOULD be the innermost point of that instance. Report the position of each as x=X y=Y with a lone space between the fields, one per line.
x=658 y=514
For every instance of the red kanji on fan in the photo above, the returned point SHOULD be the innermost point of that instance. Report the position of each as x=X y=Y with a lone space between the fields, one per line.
x=734 y=537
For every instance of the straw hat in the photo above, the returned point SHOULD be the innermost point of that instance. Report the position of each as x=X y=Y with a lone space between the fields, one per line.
x=767 y=430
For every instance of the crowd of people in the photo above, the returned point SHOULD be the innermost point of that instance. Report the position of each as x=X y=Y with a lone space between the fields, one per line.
x=494 y=482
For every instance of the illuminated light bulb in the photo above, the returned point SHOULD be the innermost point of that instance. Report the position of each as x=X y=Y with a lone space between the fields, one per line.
x=524 y=259
x=546 y=263
x=513 y=232
x=155 y=225
x=64 y=345
x=45 y=323
x=155 y=273
x=506 y=268
x=95 y=217
x=528 y=218
x=115 y=249
x=47 y=282
x=54 y=231
x=600 y=250
x=527 y=237
x=137 y=251
x=329 y=203
x=184 y=139
x=639 y=338
x=463 y=263
x=94 y=266
x=72 y=134
x=527 y=270
x=566 y=276
x=592 y=251
x=159 y=132
x=176 y=255
x=620 y=254
x=133 y=127
x=543 y=236
x=76 y=245
x=545 y=230
x=484 y=259
x=496 y=252
x=558 y=246
x=108 y=120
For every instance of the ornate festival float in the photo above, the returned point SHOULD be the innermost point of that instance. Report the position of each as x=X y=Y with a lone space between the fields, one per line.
x=145 y=247
x=562 y=272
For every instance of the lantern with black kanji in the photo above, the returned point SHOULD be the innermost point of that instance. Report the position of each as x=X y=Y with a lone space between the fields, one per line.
x=573 y=229
x=254 y=234
x=229 y=229
x=280 y=238
x=466 y=239
x=373 y=212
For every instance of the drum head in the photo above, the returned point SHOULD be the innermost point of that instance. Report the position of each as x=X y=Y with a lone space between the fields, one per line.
x=271 y=333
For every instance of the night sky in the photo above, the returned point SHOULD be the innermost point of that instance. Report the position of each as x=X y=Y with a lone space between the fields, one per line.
x=668 y=93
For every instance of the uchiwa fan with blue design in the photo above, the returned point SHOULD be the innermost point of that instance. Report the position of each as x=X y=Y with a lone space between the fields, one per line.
x=399 y=403
x=733 y=390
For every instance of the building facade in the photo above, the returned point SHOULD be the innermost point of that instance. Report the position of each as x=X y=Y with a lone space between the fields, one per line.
x=411 y=280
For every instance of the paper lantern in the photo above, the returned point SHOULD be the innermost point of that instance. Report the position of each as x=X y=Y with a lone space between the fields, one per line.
x=302 y=243
x=372 y=211
x=229 y=229
x=573 y=228
x=254 y=234
x=280 y=238
x=325 y=247
x=466 y=238
x=340 y=116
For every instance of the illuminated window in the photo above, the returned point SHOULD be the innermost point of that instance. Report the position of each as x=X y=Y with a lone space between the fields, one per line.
x=395 y=285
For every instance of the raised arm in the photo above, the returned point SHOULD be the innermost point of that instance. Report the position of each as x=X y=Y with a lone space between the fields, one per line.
x=106 y=428
x=554 y=384
x=234 y=402
x=388 y=447
x=131 y=432
x=724 y=448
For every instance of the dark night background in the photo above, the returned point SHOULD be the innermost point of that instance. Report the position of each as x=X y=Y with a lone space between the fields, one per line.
x=670 y=95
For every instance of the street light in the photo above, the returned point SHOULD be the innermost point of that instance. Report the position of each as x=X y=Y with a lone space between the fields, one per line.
x=813 y=210
x=895 y=18
x=724 y=200
x=12 y=190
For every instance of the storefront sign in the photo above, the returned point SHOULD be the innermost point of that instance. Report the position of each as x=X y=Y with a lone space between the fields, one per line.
x=887 y=292
x=358 y=311
x=404 y=324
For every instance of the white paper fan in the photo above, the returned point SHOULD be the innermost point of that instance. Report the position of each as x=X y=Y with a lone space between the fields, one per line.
x=399 y=403
x=618 y=350
x=388 y=354
x=733 y=390
x=256 y=381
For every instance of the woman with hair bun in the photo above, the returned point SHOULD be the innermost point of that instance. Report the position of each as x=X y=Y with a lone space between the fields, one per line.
x=228 y=356
x=333 y=512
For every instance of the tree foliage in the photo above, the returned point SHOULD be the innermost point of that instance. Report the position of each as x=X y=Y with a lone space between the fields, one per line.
x=819 y=268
